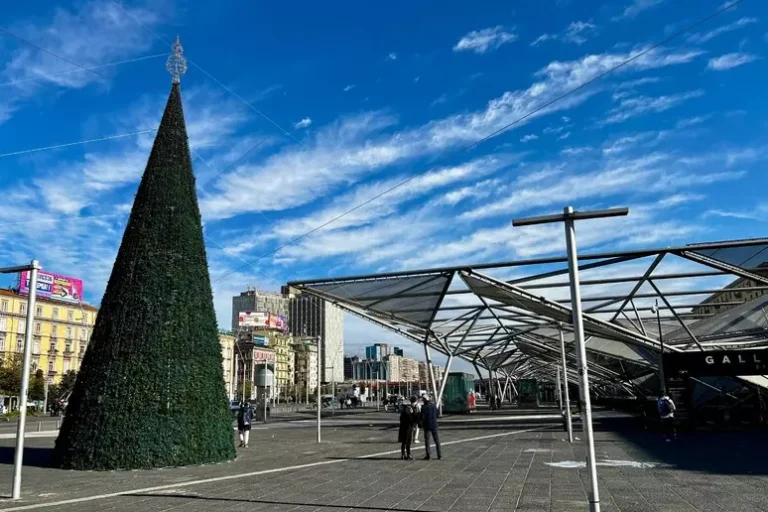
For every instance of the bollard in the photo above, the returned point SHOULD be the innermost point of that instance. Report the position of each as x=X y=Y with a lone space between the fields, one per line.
x=58 y=424
x=39 y=426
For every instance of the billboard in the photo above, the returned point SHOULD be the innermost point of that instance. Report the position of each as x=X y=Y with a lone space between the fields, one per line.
x=261 y=320
x=53 y=286
x=716 y=363
x=263 y=355
x=260 y=340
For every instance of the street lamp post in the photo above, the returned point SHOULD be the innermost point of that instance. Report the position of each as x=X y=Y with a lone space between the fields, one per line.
x=18 y=458
x=569 y=217
x=566 y=395
x=319 y=397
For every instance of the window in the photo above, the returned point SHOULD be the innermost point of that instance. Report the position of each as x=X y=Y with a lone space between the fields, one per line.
x=38 y=328
x=55 y=331
x=70 y=316
x=4 y=306
x=67 y=348
x=19 y=344
x=2 y=342
x=52 y=347
x=3 y=324
x=69 y=333
x=50 y=366
x=23 y=308
x=55 y=313
x=39 y=311
x=22 y=326
x=66 y=365
x=36 y=346
x=35 y=365
x=83 y=335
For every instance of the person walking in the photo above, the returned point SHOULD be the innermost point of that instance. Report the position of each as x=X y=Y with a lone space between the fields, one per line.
x=429 y=422
x=667 y=413
x=417 y=416
x=244 y=419
x=405 y=434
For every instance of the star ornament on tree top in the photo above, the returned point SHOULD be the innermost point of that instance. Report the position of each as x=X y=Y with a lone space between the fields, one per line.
x=176 y=63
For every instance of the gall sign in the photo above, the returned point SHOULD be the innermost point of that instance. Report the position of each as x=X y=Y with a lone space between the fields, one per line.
x=717 y=363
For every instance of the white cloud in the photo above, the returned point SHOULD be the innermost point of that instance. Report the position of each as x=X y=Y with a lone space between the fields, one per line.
x=529 y=137
x=392 y=56
x=699 y=38
x=480 y=41
x=578 y=32
x=304 y=123
x=640 y=105
x=543 y=38
x=730 y=61
x=349 y=87
x=760 y=213
x=353 y=147
x=443 y=98
x=95 y=34
x=636 y=7
x=692 y=121
x=576 y=151
x=564 y=136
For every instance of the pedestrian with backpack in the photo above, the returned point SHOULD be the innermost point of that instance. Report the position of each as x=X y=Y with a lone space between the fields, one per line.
x=244 y=419
x=667 y=414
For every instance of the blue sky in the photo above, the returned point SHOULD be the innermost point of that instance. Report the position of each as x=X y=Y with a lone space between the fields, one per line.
x=343 y=100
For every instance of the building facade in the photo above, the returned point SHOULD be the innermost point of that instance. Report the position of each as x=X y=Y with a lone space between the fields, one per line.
x=305 y=368
x=313 y=317
x=262 y=302
x=60 y=335
x=739 y=291
x=227 y=342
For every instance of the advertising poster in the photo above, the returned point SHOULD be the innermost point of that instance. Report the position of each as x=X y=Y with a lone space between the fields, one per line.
x=263 y=355
x=260 y=340
x=53 y=286
x=261 y=320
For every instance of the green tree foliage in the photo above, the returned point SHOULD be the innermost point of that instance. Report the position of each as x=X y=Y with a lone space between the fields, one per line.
x=10 y=374
x=37 y=386
x=150 y=391
x=248 y=390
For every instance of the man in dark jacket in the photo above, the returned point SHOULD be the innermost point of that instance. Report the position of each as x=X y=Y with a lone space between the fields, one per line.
x=244 y=419
x=429 y=423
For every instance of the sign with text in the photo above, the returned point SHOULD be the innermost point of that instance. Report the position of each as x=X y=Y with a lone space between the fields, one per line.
x=260 y=340
x=53 y=286
x=717 y=363
x=263 y=355
x=262 y=320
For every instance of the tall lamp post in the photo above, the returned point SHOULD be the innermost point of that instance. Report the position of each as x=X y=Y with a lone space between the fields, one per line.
x=569 y=218
x=662 y=379
x=18 y=458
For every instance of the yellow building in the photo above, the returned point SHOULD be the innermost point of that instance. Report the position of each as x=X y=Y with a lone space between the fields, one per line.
x=60 y=333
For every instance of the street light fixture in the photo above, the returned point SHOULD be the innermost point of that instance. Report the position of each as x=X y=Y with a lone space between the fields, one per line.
x=569 y=218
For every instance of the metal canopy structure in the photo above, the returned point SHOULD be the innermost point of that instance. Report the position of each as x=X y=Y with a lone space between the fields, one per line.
x=506 y=317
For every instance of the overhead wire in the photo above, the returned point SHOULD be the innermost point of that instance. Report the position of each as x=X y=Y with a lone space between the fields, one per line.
x=497 y=132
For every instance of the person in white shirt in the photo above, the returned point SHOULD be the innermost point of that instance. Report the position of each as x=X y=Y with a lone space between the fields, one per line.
x=667 y=414
x=416 y=404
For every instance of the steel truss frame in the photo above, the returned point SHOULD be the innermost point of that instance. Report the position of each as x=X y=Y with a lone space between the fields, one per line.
x=510 y=326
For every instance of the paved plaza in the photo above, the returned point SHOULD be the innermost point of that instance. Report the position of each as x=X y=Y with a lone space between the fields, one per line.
x=502 y=463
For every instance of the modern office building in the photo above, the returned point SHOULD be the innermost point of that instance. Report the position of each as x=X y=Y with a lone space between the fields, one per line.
x=313 y=317
x=739 y=291
x=397 y=351
x=349 y=364
x=261 y=302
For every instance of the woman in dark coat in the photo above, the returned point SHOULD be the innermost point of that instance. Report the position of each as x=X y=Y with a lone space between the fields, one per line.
x=405 y=435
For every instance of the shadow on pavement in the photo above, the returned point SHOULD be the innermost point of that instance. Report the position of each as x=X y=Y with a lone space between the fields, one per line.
x=269 y=502
x=33 y=457
x=739 y=453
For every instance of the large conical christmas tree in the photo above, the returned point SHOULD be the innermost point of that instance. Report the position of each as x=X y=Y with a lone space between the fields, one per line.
x=150 y=391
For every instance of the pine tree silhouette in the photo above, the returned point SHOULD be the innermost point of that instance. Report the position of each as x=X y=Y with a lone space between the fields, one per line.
x=150 y=391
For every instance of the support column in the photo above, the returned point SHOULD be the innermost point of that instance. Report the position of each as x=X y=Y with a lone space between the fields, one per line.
x=581 y=355
x=566 y=395
x=430 y=370
x=442 y=384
